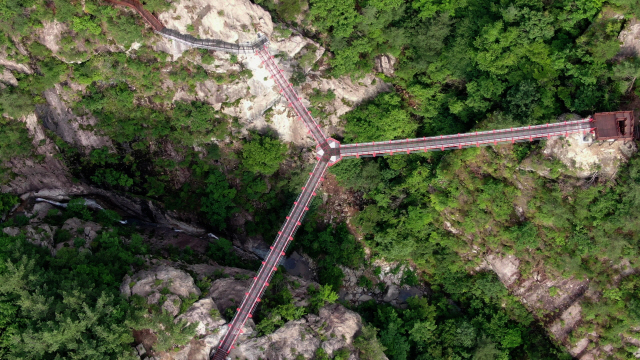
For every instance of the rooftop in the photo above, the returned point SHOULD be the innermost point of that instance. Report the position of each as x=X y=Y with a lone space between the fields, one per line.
x=614 y=125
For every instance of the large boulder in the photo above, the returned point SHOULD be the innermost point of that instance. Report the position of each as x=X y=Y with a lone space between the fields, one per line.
x=87 y=230
x=384 y=64
x=228 y=292
x=205 y=313
x=147 y=282
x=172 y=305
x=58 y=117
x=630 y=39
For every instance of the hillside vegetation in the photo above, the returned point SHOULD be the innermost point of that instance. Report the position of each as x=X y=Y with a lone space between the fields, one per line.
x=459 y=65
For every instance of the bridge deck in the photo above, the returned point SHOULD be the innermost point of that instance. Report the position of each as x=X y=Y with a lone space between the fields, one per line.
x=212 y=44
x=448 y=142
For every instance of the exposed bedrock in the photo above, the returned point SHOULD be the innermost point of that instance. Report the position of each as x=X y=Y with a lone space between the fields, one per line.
x=333 y=328
x=241 y=21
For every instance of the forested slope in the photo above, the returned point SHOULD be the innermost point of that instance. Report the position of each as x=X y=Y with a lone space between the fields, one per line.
x=491 y=65
x=160 y=127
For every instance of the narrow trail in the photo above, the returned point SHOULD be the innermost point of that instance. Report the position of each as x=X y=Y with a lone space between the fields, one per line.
x=329 y=152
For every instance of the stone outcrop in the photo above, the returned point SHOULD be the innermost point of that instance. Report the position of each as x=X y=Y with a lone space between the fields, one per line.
x=386 y=286
x=57 y=117
x=630 y=39
x=556 y=300
x=385 y=64
x=334 y=328
x=172 y=305
x=241 y=21
x=51 y=33
x=586 y=158
x=15 y=66
x=581 y=156
x=228 y=20
x=201 y=313
x=147 y=282
x=7 y=77
x=40 y=235
x=506 y=267
x=228 y=292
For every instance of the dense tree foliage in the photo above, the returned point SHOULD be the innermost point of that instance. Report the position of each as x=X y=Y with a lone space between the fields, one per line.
x=459 y=63
x=384 y=118
x=574 y=231
x=70 y=306
x=468 y=323
x=82 y=316
x=219 y=199
x=459 y=60
x=263 y=154
x=332 y=246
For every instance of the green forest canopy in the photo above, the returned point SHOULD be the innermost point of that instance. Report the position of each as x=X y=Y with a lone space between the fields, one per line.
x=460 y=63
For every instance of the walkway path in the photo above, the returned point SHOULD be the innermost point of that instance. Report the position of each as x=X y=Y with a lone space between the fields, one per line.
x=330 y=151
x=448 y=142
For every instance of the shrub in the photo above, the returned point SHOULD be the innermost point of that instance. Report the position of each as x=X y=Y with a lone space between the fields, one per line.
x=263 y=155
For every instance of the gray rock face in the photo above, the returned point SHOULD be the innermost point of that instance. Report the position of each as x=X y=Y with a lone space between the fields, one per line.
x=147 y=282
x=12 y=65
x=334 y=328
x=172 y=305
x=241 y=20
x=80 y=229
x=39 y=211
x=335 y=324
x=228 y=20
x=505 y=267
x=228 y=292
x=11 y=231
x=630 y=39
x=392 y=293
x=125 y=288
x=384 y=64
x=40 y=235
x=57 y=117
x=51 y=33
x=153 y=298
x=583 y=157
x=201 y=313
x=8 y=78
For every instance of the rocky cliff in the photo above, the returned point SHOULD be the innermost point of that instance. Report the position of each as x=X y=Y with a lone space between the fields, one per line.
x=332 y=329
x=557 y=300
x=254 y=101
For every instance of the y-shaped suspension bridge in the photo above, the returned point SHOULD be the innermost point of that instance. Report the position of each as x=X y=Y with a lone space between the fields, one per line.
x=329 y=151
